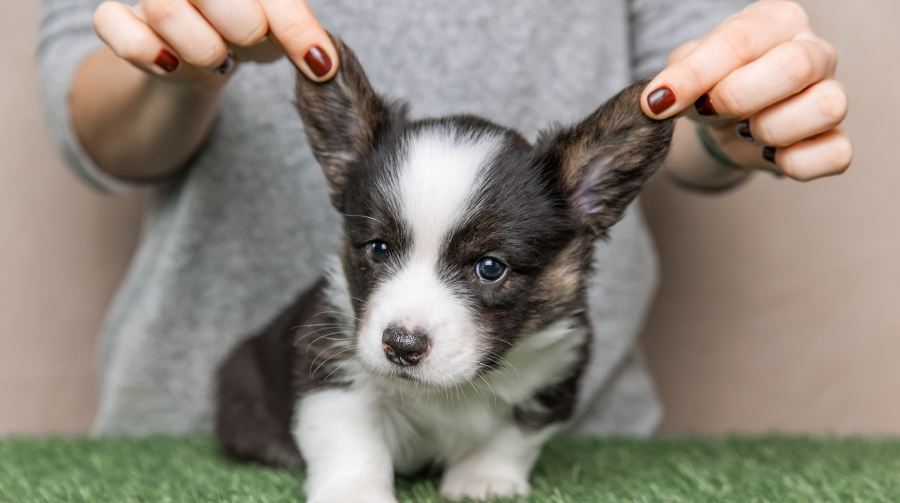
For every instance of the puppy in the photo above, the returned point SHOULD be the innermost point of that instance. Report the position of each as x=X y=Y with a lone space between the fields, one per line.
x=450 y=332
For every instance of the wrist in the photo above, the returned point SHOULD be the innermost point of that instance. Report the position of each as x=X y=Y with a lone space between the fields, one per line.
x=696 y=160
x=713 y=150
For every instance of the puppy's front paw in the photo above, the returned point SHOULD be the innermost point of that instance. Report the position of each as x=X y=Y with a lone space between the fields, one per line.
x=350 y=492
x=479 y=482
x=357 y=497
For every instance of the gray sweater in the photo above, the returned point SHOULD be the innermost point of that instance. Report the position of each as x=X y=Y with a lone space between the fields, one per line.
x=225 y=246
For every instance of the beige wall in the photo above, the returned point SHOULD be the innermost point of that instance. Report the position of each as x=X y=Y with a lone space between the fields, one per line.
x=779 y=309
x=62 y=251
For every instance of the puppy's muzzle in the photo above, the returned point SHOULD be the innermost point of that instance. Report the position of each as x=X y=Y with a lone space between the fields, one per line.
x=404 y=347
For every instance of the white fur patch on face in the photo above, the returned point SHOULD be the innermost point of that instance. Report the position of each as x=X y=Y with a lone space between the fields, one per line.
x=439 y=175
x=441 y=170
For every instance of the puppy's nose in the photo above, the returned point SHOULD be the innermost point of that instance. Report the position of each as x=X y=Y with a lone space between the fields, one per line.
x=404 y=347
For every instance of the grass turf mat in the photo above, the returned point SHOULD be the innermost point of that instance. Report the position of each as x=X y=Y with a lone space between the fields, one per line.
x=161 y=469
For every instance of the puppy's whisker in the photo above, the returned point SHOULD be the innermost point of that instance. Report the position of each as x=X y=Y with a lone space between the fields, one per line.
x=332 y=311
x=326 y=337
x=337 y=367
x=503 y=365
x=311 y=333
x=363 y=216
x=326 y=360
x=347 y=333
x=313 y=325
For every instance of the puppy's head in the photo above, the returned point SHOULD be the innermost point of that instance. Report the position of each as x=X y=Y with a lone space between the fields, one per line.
x=460 y=236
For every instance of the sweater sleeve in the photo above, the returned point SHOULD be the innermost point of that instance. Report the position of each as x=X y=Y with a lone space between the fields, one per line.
x=66 y=37
x=660 y=26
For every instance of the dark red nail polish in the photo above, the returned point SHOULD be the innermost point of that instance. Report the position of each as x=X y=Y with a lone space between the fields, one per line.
x=660 y=100
x=769 y=154
x=318 y=61
x=743 y=130
x=705 y=107
x=166 y=60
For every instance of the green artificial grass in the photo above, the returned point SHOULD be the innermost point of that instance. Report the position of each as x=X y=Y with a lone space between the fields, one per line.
x=571 y=470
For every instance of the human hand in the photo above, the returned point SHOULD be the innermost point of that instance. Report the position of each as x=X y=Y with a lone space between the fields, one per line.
x=201 y=41
x=762 y=86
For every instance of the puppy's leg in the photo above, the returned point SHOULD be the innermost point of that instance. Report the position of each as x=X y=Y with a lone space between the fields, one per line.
x=347 y=458
x=498 y=468
x=251 y=423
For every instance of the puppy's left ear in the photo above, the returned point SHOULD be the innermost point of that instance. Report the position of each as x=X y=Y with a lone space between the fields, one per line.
x=601 y=163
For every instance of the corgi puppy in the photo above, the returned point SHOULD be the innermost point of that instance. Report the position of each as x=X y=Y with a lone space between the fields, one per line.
x=450 y=332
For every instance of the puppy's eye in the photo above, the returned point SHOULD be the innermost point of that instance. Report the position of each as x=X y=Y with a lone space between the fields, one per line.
x=490 y=269
x=378 y=251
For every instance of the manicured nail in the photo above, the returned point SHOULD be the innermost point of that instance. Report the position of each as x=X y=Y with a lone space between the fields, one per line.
x=166 y=60
x=226 y=66
x=318 y=61
x=660 y=100
x=743 y=130
x=769 y=154
x=705 y=107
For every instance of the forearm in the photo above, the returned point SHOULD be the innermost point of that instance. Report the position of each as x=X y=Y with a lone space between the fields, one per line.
x=136 y=126
x=690 y=162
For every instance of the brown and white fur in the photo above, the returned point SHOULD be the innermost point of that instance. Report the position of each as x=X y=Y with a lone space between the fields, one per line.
x=450 y=332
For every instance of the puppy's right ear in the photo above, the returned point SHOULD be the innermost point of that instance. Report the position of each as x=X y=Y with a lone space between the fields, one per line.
x=343 y=118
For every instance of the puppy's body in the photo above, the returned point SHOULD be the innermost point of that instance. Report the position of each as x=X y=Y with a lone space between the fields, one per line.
x=451 y=333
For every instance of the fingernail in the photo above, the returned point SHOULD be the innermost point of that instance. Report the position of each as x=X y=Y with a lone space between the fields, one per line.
x=769 y=154
x=318 y=61
x=226 y=66
x=166 y=60
x=743 y=130
x=660 y=100
x=705 y=107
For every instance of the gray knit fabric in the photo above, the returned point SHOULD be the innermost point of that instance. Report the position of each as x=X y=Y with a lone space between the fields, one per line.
x=227 y=245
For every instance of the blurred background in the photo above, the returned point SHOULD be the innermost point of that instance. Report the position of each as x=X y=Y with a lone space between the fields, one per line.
x=779 y=308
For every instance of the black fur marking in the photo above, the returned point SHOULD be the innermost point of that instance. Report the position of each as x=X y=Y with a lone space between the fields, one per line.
x=555 y=403
x=259 y=382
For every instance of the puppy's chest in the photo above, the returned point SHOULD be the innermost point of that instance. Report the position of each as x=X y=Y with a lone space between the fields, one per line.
x=438 y=431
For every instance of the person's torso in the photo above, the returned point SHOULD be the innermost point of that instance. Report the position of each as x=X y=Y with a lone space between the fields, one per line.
x=250 y=224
